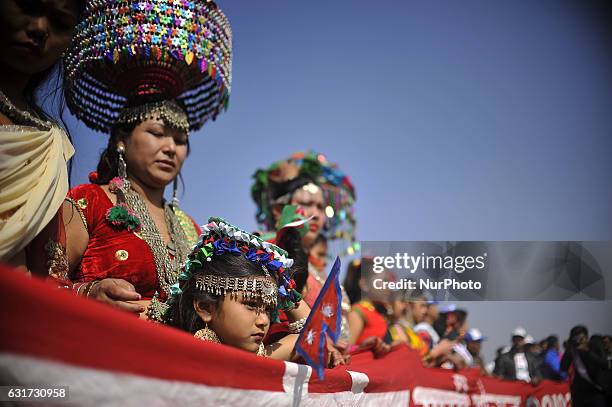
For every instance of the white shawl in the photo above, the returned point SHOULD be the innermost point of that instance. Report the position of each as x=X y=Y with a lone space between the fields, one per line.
x=33 y=182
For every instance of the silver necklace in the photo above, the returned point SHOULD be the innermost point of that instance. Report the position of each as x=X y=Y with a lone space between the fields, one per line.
x=167 y=268
x=21 y=117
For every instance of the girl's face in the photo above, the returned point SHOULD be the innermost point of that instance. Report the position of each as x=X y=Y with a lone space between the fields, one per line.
x=310 y=199
x=237 y=322
x=35 y=33
x=319 y=252
x=154 y=153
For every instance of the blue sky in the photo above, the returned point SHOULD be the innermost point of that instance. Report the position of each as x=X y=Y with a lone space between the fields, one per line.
x=472 y=120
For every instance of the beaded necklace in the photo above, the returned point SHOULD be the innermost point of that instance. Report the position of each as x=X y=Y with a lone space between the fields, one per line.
x=168 y=257
x=19 y=116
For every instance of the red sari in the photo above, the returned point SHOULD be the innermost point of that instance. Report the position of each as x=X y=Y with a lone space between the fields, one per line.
x=113 y=253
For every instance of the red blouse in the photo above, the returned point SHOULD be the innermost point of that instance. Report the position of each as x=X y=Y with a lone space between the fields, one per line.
x=374 y=324
x=113 y=253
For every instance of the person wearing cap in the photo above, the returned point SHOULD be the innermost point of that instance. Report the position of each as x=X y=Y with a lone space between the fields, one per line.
x=473 y=339
x=450 y=321
x=519 y=332
x=451 y=326
x=516 y=364
x=533 y=347
x=530 y=345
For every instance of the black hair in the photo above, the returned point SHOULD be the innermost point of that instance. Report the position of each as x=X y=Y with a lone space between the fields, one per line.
x=181 y=313
x=596 y=345
x=552 y=341
x=460 y=315
x=291 y=241
x=108 y=163
x=351 y=280
x=577 y=330
x=53 y=75
x=439 y=324
x=38 y=78
x=321 y=239
x=278 y=189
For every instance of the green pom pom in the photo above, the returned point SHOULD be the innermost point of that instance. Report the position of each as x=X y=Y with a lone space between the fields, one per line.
x=311 y=167
x=120 y=216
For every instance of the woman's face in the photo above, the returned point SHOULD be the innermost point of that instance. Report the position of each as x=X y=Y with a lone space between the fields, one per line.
x=35 y=33
x=238 y=322
x=154 y=153
x=310 y=199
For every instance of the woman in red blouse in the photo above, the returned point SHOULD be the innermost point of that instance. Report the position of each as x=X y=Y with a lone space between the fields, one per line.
x=125 y=242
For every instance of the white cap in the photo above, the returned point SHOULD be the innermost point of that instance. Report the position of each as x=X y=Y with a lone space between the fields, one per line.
x=474 y=335
x=529 y=340
x=519 y=331
x=447 y=308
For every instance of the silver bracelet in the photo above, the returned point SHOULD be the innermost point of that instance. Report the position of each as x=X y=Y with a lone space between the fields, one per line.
x=296 y=326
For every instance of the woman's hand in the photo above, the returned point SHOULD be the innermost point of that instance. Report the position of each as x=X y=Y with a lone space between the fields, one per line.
x=376 y=345
x=336 y=357
x=117 y=293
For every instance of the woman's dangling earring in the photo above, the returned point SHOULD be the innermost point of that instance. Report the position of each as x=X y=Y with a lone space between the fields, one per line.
x=175 y=200
x=207 y=334
x=262 y=350
x=121 y=166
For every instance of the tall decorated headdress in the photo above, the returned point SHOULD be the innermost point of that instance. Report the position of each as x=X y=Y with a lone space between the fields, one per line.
x=129 y=57
x=220 y=238
x=276 y=184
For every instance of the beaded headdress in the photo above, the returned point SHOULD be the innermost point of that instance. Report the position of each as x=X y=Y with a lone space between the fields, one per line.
x=263 y=289
x=221 y=238
x=163 y=49
x=304 y=170
x=168 y=111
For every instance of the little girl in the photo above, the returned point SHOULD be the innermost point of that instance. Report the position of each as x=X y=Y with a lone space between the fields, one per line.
x=231 y=289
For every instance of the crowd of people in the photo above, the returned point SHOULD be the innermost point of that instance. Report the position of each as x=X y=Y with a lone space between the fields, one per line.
x=148 y=75
x=441 y=334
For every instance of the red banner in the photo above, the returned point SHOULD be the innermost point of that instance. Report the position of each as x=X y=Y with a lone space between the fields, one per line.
x=52 y=337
